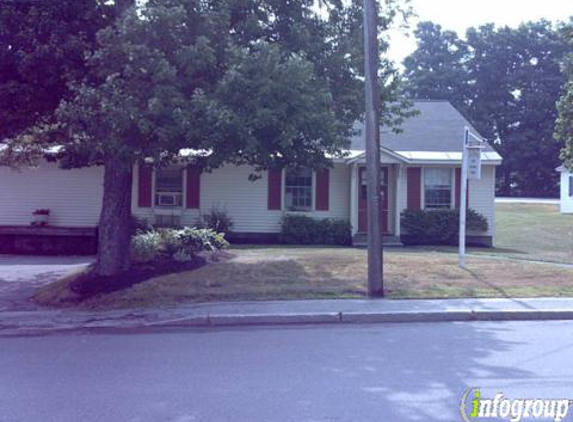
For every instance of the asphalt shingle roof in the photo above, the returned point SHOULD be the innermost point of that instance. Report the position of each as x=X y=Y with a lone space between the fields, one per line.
x=439 y=127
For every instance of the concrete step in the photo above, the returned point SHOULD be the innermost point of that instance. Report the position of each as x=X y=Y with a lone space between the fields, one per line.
x=361 y=240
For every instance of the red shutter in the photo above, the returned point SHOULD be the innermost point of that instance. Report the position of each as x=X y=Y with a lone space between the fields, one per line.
x=193 y=188
x=322 y=189
x=274 y=189
x=145 y=186
x=414 y=188
x=458 y=189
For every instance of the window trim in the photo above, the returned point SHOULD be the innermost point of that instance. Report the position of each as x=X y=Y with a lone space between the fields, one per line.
x=452 y=187
x=312 y=193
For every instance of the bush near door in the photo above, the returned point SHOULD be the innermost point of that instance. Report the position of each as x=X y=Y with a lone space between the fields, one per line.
x=437 y=227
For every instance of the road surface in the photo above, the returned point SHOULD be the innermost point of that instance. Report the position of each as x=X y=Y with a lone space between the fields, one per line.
x=354 y=373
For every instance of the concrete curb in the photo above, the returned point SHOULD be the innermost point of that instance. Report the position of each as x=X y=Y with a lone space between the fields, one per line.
x=42 y=324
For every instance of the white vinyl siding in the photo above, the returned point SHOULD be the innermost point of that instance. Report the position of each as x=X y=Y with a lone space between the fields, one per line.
x=482 y=196
x=73 y=196
x=245 y=201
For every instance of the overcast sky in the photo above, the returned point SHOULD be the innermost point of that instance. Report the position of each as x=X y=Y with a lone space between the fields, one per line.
x=458 y=15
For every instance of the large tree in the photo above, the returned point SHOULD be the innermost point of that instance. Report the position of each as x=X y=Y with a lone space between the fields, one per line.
x=507 y=82
x=264 y=83
x=564 y=126
x=437 y=69
x=43 y=44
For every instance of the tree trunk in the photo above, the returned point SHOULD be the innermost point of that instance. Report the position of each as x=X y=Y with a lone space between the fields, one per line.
x=115 y=219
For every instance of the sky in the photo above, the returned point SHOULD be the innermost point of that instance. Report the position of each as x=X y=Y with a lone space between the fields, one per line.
x=458 y=15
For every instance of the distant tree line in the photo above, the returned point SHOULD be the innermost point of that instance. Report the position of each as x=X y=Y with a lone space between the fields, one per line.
x=507 y=81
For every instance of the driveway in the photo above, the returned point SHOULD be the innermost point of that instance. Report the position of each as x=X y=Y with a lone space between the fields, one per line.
x=20 y=276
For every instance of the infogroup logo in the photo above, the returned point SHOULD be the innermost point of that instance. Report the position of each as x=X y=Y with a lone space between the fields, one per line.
x=474 y=407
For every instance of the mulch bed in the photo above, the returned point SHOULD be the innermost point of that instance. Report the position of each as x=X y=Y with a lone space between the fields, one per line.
x=90 y=284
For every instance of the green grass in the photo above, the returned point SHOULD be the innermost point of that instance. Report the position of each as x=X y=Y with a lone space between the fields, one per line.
x=284 y=273
x=524 y=233
x=534 y=232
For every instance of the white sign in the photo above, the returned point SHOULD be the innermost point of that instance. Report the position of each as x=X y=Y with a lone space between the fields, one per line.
x=474 y=163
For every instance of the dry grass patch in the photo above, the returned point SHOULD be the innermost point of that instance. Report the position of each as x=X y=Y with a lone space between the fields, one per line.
x=306 y=273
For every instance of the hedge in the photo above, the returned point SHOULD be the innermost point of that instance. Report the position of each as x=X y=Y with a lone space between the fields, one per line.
x=437 y=227
x=303 y=230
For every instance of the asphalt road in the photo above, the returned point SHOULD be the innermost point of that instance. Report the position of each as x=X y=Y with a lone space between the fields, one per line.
x=354 y=373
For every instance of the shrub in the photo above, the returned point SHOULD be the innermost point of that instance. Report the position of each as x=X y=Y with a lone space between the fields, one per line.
x=179 y=245
x=195 y=240
x=139 y=225
x=437 y=227
x=218 y=220
x=170 y=241
x=303 y=230
x=145 y=246
x=181 y=256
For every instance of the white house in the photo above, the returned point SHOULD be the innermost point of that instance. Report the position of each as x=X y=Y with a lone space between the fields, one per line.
x=420 y=169
x=566 y=190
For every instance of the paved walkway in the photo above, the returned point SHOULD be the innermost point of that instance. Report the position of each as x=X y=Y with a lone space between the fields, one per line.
x=21 y=276
x=38 y=322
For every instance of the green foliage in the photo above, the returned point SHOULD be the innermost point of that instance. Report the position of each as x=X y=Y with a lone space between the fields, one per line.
x=437 y=227
x=564 y=124
x=195 y=240
x=506 y=81
x=139 y=225
x=145 y=246
x=170 y=241
x=437 y=69
x=262 y=83
x=218 y=220
x=42 y=50
x=180 y=245
x=303 y=230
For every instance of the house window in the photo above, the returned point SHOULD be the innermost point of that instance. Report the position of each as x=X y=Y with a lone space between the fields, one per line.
x=437 y=188
x=298 y=189
x=570 y=185
x=169 y=187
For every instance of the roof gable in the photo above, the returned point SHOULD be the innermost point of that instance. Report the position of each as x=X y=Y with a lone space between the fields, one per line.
x=438 y=128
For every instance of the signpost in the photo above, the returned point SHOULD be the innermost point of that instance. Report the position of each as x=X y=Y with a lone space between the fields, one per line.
x=471 y=169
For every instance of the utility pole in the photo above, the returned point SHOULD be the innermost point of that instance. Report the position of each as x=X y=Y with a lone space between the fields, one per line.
x=372 y=137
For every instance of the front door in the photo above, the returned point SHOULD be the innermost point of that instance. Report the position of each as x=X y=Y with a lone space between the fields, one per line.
x=363 y=200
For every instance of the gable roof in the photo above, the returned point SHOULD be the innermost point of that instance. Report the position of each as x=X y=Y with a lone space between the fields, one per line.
x=438 y=128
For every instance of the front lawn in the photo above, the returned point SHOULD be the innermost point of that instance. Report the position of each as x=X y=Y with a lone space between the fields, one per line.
x=280 y=273
x=534 y=231
x=525 y=233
